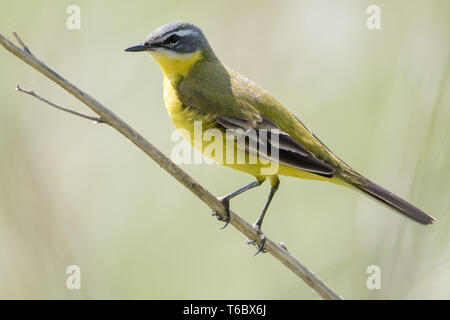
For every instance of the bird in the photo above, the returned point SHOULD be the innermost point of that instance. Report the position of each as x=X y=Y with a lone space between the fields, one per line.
x=199 y=88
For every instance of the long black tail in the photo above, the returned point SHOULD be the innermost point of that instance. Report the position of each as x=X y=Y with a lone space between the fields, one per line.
x=386 y=197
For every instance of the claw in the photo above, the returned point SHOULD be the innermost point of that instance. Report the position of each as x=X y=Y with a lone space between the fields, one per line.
x=262 y=237
x=250 y=241
x=225 y=225
x=226 y=204
x=261 y=247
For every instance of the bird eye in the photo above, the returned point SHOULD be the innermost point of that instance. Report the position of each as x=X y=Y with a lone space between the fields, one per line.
x=172 y=39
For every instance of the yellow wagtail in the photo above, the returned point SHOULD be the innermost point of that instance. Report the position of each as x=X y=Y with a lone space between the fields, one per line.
x=199 y=88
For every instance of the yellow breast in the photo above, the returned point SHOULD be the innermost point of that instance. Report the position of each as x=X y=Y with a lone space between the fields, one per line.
x=175 y=67
x=174 y=106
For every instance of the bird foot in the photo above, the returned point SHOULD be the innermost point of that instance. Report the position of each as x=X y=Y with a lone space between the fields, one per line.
x=226 y=203
x=262 y=238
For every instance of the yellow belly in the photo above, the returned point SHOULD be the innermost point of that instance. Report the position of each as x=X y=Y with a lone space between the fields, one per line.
x=184 y=122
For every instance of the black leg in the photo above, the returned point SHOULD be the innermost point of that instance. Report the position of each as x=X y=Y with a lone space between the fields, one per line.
x=275 y=183
x=226 y=199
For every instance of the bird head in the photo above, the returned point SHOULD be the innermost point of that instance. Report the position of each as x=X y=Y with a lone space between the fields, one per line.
x=176 y=46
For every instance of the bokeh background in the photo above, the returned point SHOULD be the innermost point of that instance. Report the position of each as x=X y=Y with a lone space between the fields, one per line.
x=76 y=193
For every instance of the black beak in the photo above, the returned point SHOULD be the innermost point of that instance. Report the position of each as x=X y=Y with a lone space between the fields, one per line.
x=139 y=47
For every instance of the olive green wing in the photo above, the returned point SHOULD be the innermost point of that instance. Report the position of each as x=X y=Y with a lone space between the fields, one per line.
x=211 y=101
x=232 y=107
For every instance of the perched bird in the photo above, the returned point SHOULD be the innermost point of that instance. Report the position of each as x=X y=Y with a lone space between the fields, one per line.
x=199 y=88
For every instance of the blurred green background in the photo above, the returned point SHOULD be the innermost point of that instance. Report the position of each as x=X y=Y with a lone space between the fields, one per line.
x=76 y=193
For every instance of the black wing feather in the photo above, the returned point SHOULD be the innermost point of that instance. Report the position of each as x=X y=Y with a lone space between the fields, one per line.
x=290 y=152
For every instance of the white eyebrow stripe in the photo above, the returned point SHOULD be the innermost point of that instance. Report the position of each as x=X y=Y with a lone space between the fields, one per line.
x=180 y=33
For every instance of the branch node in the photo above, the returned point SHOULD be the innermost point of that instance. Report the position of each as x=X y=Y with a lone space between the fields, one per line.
x=283 y=246
x=22 y=44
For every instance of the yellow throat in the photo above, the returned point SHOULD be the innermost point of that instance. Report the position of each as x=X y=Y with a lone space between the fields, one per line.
x=175 y=65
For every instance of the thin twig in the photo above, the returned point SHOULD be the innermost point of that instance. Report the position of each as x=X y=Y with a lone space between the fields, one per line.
x=24 y=47
x=33 y=94
x=204 y=195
